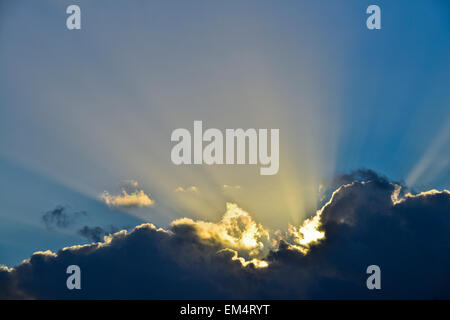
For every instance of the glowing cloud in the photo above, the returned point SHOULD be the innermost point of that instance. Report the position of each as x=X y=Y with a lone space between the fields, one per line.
x=236 y=258
x=237 y=230
x=125 y=199
x=257 y=263
x=310 y=232
x=188 y=189
x=226 y=186
x=307 y=234
x=396 y=199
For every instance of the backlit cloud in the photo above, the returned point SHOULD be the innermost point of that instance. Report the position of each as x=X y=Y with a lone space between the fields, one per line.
x=134 y=199
x=193 y=189
x=230 y=187
x=365 y=222
x=237 y=230
x=129 y=196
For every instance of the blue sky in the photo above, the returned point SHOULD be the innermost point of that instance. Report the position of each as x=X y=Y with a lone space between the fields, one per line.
x=83 y=111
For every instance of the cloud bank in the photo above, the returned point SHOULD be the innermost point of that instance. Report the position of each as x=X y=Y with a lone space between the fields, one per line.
x=365 y=222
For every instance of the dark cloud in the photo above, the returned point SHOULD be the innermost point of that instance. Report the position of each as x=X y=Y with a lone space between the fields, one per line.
x=361 y=175
x=92 y=233
x=408 y=240
x=364 y=224
x=97 y=233
x=358 y=175
x=60 y=217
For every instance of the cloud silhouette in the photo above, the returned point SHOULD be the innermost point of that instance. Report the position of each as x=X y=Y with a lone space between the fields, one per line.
x=60 y=217
x=366 y=221
x=97 y=233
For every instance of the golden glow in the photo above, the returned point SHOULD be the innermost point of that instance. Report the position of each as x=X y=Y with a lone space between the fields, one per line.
x=237 y=233
x=307 y=234
x=257 y=263
x=237 y=230
x=396 y=193
x=188 y=189
x=125 y=199
x=310 y=232
x=249 y=241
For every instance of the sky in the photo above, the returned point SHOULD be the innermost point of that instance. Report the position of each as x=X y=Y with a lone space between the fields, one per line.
x=86 y=115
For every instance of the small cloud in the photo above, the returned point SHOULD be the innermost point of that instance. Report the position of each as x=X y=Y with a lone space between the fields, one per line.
x=193 y=189
x=230 y=187
x=129 y=196
x=60 y=217
x=97 y=233
x=125 y=199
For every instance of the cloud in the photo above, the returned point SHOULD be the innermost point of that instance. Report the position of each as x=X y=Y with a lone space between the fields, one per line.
x=125 y=199
x=238 y=258
x=307 y=234
x=60 y=217
x=193 y=189
x=129 y=196
x=97 y=233
x=237 y=230
x=230 y=187
x=135 y=199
